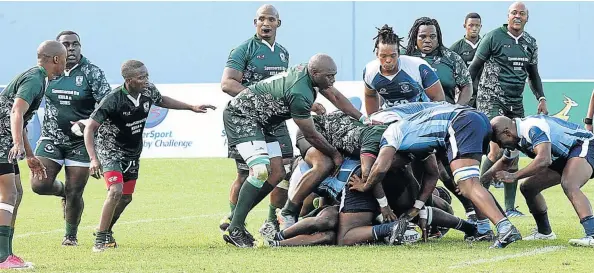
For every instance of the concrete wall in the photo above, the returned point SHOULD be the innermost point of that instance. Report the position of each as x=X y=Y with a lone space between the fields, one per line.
x=188 y=42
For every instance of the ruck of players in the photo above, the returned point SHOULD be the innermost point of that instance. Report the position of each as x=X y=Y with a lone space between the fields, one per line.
x=365 y=173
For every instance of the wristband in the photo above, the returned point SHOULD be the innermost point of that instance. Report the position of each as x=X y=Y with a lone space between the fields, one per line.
x=419 y=204
x=383 y=202
x=588 y=121
x=541 y=99
x=423 y=214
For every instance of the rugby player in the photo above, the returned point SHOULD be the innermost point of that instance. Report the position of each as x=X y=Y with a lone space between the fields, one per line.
x=425 y=41
x=18 y=103
x=460 y=132
x=68 y=99
x=508 y=56
x=562 y=153
x=254 y=60
x=394 y=78
x=119 y=121
x=466 y=47
x=251 y=116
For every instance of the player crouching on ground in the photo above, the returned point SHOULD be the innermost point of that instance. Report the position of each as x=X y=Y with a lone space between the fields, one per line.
x=120 y=119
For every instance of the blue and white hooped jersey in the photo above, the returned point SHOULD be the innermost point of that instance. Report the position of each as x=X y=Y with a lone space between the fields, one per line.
x=401 y=111
x=414 y=76
x=537 y=129
x=424 y=131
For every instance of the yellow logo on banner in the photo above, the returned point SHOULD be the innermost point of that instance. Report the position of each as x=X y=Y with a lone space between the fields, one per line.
x=564 y=113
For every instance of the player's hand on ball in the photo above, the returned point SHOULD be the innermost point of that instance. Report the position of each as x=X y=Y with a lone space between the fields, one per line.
x=356 y=184
x=36 y=167
x=542 y=107
x=95 y=169
x=388 y=214
x=505 y=176
x=318 y=108
x=202 y=108
x=412 y=213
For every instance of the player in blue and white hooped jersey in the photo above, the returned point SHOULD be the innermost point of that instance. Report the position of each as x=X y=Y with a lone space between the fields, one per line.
x=396 y=79
x=463 y=134
x=563 y=153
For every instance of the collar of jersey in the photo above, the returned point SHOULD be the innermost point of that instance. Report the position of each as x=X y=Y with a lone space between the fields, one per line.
x=474 y=46
x=265 y=42
x=43 y=71
x=504 y=29
x=82 y=61
x=518 y=127
x=136 y=101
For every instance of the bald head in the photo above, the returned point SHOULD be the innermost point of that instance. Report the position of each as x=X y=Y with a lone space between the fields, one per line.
x=267 y=10
x=518 y=6
x=500 y=123
x=321 y=63
x=50 y=49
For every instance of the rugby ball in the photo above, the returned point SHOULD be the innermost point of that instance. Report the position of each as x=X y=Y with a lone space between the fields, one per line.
x=78 y=128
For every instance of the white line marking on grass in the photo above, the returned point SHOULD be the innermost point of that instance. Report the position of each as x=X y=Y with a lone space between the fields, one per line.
x=149 y=220
x=533 y=252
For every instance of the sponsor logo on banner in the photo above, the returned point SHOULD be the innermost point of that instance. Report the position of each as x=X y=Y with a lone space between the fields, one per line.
x=564 y=113
x=156 y=116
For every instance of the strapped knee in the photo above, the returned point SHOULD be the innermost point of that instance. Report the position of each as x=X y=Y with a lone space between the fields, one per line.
x=260 y=172
x=466 y=173
x=7 y=207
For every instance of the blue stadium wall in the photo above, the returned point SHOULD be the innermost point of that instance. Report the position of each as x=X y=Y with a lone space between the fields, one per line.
x=188 y=42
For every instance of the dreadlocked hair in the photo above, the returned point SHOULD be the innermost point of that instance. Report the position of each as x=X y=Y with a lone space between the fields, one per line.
x=386 y=35
x=414 y=32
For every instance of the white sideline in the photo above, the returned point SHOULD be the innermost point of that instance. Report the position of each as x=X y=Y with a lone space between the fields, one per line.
x=533 y=252
x=149 y=220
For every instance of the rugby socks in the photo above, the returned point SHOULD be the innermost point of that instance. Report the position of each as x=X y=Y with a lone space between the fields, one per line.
x=510 y=190
x=271 y=213
x=487 y=164
x=279 y=236
x=5 y=243
x=231 y=206
x=483 y=226
x=503 y=226
x=290 y=209
x=71 y=230
x=588 y=223
x=383 y=230
x=10 y=240
x=542 y=222
x=264 y=191
x=444 y=219
x=247 y=195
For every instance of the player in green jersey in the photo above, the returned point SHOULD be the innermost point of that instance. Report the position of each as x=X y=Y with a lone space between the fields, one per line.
x=254 y=60
x=508 y=56
x=70 y=98
x=18 y=103
x=425 y=41
x=466 y=47
x=251 y=116
x=119 y=120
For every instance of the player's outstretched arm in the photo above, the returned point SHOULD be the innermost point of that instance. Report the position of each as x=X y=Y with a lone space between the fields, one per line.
x=171 y=103
x=19 y=108
x=429 y=179
x=312 y=136
x=231 y=81
x=372 y=101
x=542 y=161
x=341 y=102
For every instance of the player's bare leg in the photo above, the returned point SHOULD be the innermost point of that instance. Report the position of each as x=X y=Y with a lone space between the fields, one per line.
x=114 y=195
x=318 y=230
x=576 y=173
x=9 y=196
x=76 y=180
x=355 y=228
x=321 y=167
x=48 y=185
x=472 y=189
x=448 y=181
x=531 y=188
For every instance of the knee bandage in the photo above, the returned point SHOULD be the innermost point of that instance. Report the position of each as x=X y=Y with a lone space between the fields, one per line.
x=7 y=207
x=429 y=215
x=259 y=175
x=465 y=173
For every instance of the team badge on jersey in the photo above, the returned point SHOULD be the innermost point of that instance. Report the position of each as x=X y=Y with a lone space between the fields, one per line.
x=79 y=80
x=146 y=107
x=283 y=57
x=49 y=148
x=405 y=87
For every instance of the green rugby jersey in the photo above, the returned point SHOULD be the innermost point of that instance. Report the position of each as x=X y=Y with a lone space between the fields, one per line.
x=258 y=60
x=506 y=60
x=72 y=97
x=466 y=49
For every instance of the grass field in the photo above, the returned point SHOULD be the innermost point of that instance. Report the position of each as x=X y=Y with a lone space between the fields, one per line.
x=171 y=226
